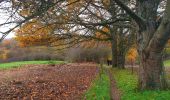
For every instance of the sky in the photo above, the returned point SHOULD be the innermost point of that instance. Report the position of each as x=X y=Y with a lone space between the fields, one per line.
x=4 y=17
x=11 y=35
x=5 y=28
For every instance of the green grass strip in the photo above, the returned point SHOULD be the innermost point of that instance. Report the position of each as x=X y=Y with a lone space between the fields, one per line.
x=127 y=83
x=20 y=63
x=100 y=89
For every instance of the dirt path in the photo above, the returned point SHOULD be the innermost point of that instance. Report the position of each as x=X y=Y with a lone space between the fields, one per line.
x=114 y=92
x=44 y=82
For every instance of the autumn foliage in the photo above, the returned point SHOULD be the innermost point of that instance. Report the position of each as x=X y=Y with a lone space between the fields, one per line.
x=131 y=55
x=34 y=33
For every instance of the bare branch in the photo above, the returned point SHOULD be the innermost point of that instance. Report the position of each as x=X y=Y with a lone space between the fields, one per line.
x=137 y=18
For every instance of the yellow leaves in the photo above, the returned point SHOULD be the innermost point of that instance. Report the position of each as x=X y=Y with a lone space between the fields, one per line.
x=132 y=55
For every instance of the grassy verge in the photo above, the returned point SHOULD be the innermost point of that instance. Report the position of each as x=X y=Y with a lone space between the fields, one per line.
x=18 y=64
x=127 y=83
x=100 y=89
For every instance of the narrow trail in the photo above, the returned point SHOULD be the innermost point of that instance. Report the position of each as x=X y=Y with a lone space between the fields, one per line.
x=114 y=91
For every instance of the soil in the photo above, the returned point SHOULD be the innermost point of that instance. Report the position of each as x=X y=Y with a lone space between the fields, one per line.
x=45 y=82
x=114 y=91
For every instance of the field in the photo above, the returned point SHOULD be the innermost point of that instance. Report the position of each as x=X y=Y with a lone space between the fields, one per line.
x=35 y=82
x=59 y=80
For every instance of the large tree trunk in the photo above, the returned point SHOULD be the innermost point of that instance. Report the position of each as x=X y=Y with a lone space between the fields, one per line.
x=150 y=48
x=151 y=40
x=151 y=71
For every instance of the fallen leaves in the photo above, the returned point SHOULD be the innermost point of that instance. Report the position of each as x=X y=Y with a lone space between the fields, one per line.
x=43 y=82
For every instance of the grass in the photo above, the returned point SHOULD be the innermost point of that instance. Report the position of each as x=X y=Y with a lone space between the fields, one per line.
x=20 y=63
x=127 y=83
x=100 y=89
x=167 y=50
x=167 y=63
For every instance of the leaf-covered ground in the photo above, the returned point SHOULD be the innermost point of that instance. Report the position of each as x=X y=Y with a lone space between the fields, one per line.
x=44 y=82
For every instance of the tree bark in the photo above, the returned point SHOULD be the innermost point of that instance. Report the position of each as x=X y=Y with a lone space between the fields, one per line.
x=151 y=40
x=151 y=71
x=150 y=48
x=121 y=60
x=122 y=46
x=121 y=54
x=114 y=53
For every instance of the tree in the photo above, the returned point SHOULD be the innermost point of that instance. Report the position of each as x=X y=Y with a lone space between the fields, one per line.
x=68 y=22
x=110 y=17
x=34 y=33
x=151 y=40
x=151 y=37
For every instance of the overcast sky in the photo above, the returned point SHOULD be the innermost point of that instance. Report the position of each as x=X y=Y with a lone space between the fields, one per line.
x=5 y=28
x=4 y=17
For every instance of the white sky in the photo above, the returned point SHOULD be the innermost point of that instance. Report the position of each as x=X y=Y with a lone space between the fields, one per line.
x=5 y=28
x=4 y=17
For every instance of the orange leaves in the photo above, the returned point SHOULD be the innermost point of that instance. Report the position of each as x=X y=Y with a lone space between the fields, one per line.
x=102 y=35
x=132 y=55
x=34 y=33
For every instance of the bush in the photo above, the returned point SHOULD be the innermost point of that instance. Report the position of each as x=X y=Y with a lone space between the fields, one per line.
x=32 y=53
x=81 y=54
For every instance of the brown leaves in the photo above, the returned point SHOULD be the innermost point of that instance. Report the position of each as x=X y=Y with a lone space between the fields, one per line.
x=66 y=82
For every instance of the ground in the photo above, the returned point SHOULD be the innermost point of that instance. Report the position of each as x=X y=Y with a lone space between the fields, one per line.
x=115 y=92
x=126 y=82
x=51 y=80
x=45 y=82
